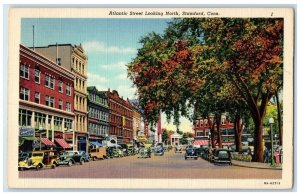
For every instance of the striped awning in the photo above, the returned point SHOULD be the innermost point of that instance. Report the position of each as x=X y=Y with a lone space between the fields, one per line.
x=201 y=142
x=62 y=143
x=47 y=142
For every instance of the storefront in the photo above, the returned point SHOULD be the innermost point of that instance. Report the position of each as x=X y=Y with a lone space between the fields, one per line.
x=26 y=139
x=82 y=143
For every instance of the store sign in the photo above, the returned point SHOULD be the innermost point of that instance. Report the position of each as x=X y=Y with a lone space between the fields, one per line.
x=26 y=131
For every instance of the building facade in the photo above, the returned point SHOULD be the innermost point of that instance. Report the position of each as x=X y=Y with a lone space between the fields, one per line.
x=202 y=130
x=98 y=115
x=46 y=102
x=120 y=117
x=73 y=58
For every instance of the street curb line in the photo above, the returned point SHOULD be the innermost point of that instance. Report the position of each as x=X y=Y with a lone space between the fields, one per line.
x=241 y=165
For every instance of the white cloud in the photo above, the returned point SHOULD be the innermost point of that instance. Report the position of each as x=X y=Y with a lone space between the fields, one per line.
x=126 y=91
x=122 y=76
x=101 y=47
x=121 y=65
x=96 y=80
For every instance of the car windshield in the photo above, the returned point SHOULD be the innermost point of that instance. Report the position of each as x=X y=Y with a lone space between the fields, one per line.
x=223 y=154
x=190 y=150
x=37 y=154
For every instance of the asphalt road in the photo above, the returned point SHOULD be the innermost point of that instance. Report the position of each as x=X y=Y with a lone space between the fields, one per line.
x=171 y=165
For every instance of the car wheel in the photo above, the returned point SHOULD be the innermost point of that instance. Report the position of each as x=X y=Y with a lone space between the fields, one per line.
x=21 y=169
x=70 y=163
x=94 y=158
x=53 y=166
x=196 y=158
x=185 y=158
x=39 y=167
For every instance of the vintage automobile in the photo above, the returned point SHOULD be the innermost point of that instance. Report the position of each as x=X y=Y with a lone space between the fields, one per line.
x=222 y=156
x=24 y=156
x=178 y=149
x=159 y=150
x=109 y=152
x=40 y=159
x=85 y=156
x=190 y=153
x=144 y=153
x=118 y=151
x=199 y=152
x=70 y=157
x=97 y=153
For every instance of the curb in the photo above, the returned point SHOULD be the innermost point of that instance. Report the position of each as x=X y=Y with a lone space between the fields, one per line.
x=257 y=167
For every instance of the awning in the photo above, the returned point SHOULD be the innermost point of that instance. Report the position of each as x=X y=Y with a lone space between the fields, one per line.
x=96 y=144
x=201 y=142
x=62 y=143
x=22 y=140
x=47 y=142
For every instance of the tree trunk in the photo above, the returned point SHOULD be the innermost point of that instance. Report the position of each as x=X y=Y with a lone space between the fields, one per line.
x=258 y=141
x=238 y=130
x=212 y=130
x=219 y=131
x=279 y=118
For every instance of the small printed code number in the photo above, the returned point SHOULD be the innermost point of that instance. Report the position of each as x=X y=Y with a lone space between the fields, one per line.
x=272 y=183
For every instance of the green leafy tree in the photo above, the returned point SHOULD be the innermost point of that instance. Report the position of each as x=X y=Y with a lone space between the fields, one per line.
x=164 y=136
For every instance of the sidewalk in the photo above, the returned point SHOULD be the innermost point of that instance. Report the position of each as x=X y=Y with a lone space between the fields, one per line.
x=255 y=165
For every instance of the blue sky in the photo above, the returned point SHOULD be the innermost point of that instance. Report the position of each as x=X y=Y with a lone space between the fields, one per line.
x=109 y=43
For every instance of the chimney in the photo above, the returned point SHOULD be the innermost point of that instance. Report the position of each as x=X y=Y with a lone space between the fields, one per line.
x=58 y=60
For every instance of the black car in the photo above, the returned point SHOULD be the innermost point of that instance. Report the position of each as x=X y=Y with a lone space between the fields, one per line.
x=222 y=156
x=199 y=152
x=190 y=153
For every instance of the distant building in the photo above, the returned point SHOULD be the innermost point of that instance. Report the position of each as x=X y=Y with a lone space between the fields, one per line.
x=74 y=59
x=46 y=102
x=202 y=131
x=120 y=117
x=98 y=115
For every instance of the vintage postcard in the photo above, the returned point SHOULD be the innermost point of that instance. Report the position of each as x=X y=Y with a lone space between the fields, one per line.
x=150 y=98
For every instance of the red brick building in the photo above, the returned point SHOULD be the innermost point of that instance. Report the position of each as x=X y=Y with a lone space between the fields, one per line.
x=46 y=101
x=202 y=130
x=120 y=117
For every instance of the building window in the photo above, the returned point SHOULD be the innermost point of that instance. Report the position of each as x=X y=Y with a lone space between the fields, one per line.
x=60 y=104
x=49 y=101
x=68 y=107
x=58 y=123
x=68 y=124
x=60 y=86
x=24 y=94
x=37 y=75
x=68 y=90
x=223 y=121
x=24 y=71
x=37 y=97
x=40 y=120
x=25 y=117
x=49 y=82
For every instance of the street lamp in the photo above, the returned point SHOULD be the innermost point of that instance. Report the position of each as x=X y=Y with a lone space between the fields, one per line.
x=271 y=122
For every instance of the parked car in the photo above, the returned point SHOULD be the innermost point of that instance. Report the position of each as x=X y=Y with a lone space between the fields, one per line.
x=70 y=157
x=24 y=156
x=97 y=153
x=118 y=151
x=190 y=153
x=159 y=151
x=144 y=153
x=199 y=152
x=40 y=159
x=85 y=156
x=222 y=156
x=109 y=152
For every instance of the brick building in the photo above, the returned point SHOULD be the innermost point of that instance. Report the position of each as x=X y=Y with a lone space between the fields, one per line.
x=202 y=131
x=74 y=59
x=46 y=102
x=120 y=117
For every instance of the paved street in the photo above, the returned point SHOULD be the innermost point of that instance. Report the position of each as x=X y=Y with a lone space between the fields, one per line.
x=170 y=165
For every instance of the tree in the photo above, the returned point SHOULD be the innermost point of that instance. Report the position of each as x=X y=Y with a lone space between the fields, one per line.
x=184 y=140
x=195 y=61
x=164 y=136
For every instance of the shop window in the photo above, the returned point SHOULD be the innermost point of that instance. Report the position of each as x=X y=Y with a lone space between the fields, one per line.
x=68 y=124
x=58 y=123
x=25 y=117
x=40 y=120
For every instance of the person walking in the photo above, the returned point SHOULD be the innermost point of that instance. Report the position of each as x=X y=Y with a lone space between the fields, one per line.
x=266 y=155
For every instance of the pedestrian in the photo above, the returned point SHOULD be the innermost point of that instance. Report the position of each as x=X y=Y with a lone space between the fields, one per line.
x=266 y=155
x=249 y=151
